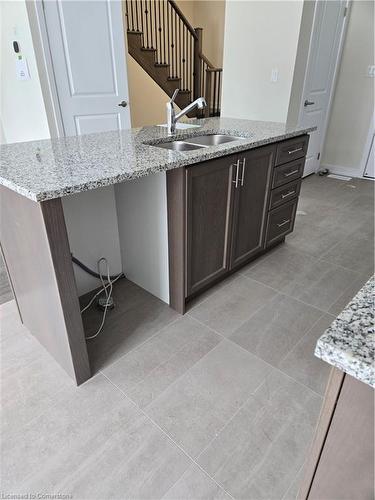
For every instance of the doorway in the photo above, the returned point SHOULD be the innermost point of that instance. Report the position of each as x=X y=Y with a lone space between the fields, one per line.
x=321 y=53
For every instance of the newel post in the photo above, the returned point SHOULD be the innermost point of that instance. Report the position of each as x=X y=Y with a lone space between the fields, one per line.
x=197 y=63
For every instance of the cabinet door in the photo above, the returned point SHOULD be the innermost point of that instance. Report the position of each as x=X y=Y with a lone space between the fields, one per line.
x=209 y=199
x=250 y=203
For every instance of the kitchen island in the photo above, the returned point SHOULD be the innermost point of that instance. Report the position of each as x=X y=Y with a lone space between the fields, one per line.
x=341 y=461
x=219 y=207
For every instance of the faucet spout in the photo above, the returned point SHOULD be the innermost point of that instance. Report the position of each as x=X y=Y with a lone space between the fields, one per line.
x=172 y=117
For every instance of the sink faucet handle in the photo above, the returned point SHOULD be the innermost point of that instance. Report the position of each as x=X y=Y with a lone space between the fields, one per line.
x=174 y=95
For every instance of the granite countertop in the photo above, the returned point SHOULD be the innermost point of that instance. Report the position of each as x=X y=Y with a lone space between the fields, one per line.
x=349 y=342
x=52 y=168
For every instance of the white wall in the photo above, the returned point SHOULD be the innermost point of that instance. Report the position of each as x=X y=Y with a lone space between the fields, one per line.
x=259 y=36
x=353 y=102
x=91 y=222
x=143 y=229
x=22 y=109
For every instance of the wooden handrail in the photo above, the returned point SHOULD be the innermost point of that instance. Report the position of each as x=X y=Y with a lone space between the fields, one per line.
x=183 y=18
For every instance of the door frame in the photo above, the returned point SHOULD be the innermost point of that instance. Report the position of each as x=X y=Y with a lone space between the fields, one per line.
x=366 y=151
x=346 y=8
x=39 y=34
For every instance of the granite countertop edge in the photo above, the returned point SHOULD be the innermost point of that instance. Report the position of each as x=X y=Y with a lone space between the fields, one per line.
x=131 y=154
x=348 y=344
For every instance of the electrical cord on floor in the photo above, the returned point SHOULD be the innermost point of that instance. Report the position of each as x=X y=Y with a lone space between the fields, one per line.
x=107 y=288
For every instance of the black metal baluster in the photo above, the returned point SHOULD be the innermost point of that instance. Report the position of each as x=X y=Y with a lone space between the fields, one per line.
x=159 y=30
x=169 y=42
x=132 y=14
x=164 y=37
x=146 y=24
x=136 y=14
x=142 y=28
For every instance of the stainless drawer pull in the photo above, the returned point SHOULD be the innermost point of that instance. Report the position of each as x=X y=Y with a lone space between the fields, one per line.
x=283 y=223
x=295 y=151
x=243 y=171
x=291 y=173
x=237 y=165
x=287 y=194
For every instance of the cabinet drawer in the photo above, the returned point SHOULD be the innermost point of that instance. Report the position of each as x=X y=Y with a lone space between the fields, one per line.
x=281 y=221
x=291 y=149
x=288 y=172
x=285 y=193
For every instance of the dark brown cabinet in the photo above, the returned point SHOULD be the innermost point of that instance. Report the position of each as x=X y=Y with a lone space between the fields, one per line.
x=209 y=200
x=250 y=203
x=224 y=212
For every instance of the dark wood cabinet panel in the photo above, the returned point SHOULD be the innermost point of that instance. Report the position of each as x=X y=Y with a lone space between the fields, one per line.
x=209 y=199
x=284 y=193
x=291 y=149
x=250 y=203
x=281 y=222
x=224 y=212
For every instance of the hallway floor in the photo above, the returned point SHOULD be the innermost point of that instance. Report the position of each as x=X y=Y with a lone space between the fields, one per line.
x=221 y=403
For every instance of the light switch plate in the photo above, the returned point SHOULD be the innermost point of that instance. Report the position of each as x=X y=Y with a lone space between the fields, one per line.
x=22 y=70
x=274 y=75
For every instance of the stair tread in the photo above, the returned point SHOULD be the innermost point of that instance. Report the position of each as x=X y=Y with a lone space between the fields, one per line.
x=162 y=65
x=134 y=32
x=149 y=49
x=173 y=78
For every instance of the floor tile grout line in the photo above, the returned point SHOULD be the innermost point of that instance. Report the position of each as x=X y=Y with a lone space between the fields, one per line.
x=303 y=336
x=179 y=377
x=140 y=345
x=169 y=437
x=263 y=360
x=301 y=301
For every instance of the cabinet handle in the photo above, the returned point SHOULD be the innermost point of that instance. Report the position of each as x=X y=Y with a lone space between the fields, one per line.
x=237 y=165
x=283 y=223
x=291 y=173
x=243 y=171
x=295 y=151
x=287 y=194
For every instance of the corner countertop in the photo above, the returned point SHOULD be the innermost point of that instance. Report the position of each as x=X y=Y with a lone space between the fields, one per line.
x=53 y=168
x=349 y=342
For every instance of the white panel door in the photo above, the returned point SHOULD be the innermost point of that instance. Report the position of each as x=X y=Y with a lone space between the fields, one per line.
x=87 y=44
x=322 y=62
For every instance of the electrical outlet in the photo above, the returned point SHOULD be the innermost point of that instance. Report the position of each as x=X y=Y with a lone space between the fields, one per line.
x=274 y=75
x=371 y=71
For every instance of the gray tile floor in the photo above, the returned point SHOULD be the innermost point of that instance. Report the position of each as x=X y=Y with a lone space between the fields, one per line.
x=218 y=404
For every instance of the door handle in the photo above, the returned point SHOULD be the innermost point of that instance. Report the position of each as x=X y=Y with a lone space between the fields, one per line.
x=237 y=165
x=123 y=104
x=308 y=103
x=243 y=171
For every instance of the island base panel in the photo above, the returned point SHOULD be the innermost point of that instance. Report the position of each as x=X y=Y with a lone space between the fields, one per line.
x=37 y=255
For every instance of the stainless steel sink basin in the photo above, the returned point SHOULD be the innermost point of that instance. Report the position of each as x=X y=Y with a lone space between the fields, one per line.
x=178 y=146
x=212 y=139
x=198 y=142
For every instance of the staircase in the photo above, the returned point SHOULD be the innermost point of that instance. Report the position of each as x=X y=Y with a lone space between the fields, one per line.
x=169 y=49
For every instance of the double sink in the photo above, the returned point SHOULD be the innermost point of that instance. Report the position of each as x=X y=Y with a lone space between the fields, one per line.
x=198 y=142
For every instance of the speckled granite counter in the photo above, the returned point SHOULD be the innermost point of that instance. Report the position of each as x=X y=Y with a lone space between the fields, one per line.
x=43 y=170
x=349 y=342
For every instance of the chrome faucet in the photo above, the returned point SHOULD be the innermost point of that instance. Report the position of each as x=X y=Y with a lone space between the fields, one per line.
x=172 y=118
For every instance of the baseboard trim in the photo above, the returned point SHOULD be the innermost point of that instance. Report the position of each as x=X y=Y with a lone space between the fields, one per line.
x=340 y=170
